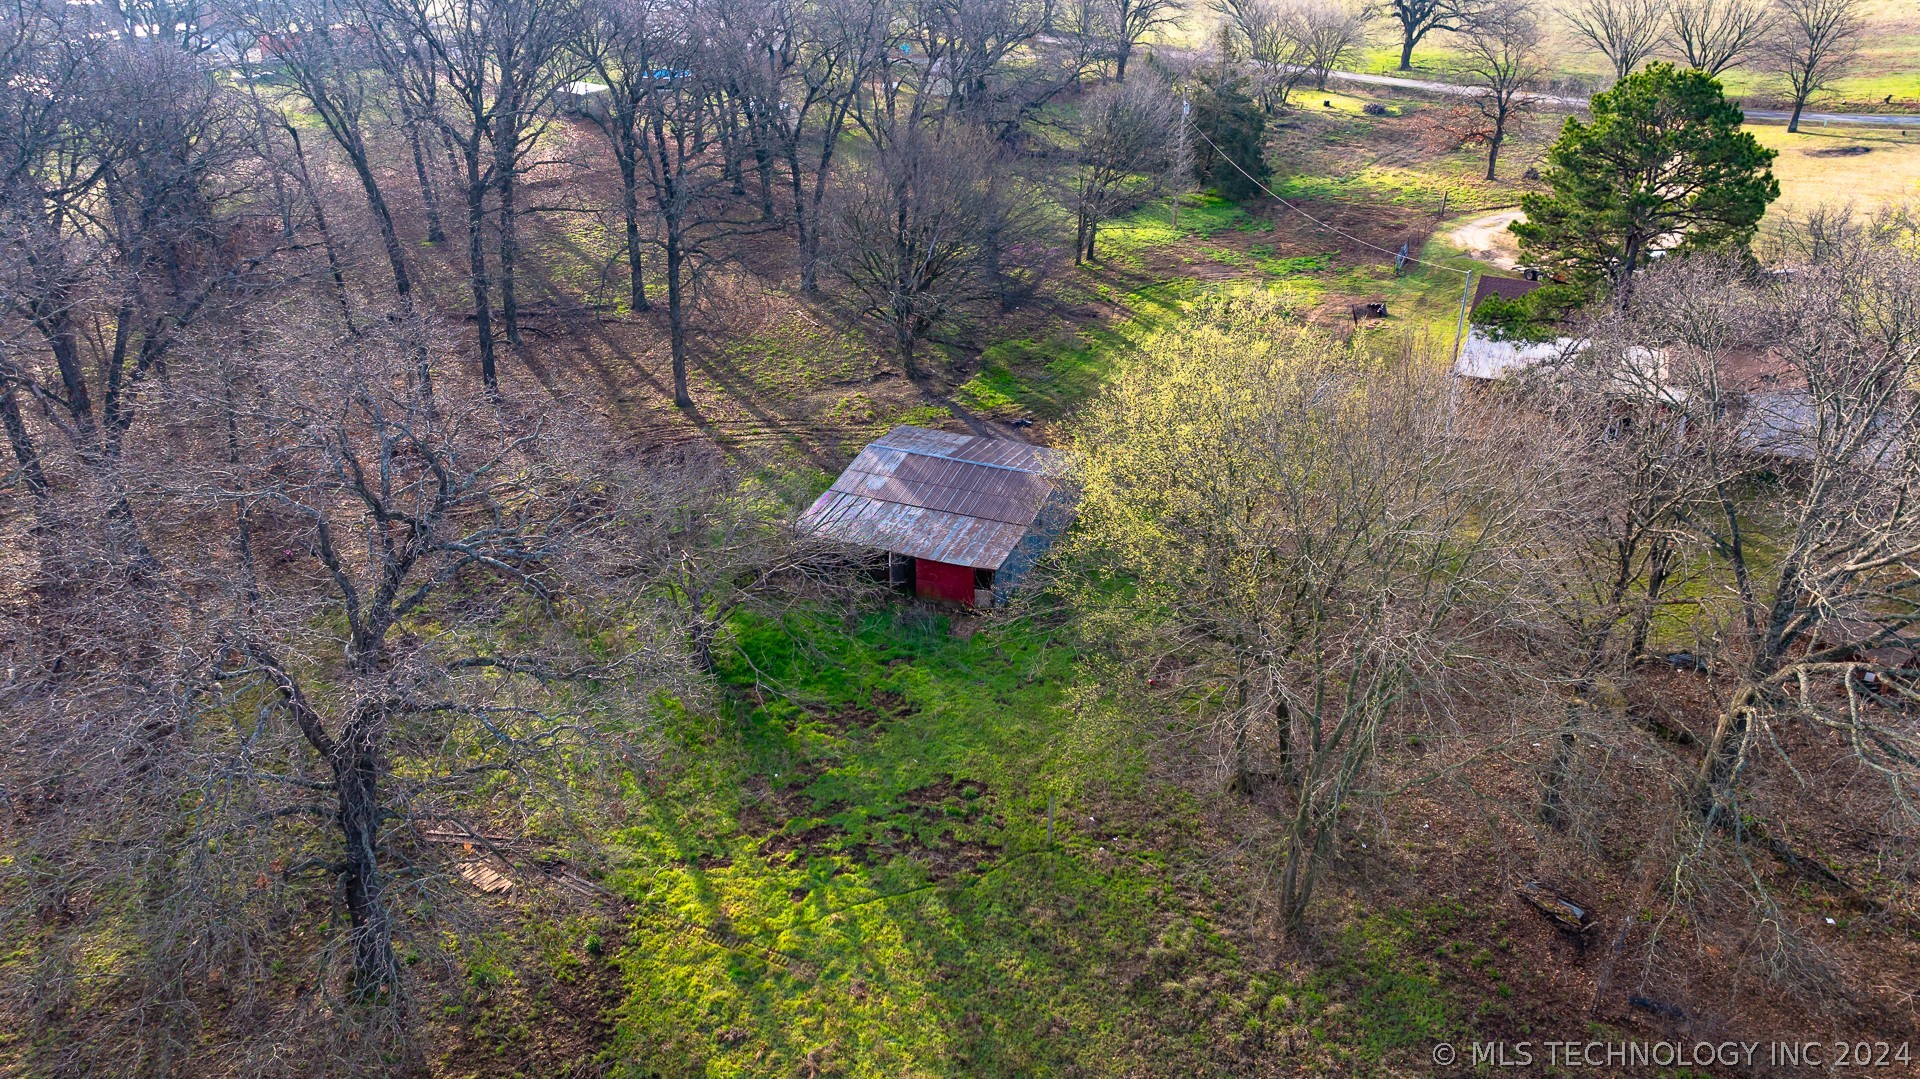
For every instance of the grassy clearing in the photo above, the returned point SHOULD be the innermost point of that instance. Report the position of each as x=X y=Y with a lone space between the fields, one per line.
x=1864 y=167
x=871 y=808
x=1201 y=215
x=796 y=355
x=1217 y=246
x=1046 y=377
x=1889 y=65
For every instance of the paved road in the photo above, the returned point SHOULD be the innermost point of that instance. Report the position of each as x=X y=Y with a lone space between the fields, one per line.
x=1559 y=101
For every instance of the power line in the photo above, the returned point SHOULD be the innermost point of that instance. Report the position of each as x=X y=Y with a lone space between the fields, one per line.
x=1317 y=221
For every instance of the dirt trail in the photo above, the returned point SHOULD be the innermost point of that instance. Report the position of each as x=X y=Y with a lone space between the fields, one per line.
x=1487 y=239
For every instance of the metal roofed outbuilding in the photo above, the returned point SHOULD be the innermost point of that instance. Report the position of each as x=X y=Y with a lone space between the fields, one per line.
x=963 y=517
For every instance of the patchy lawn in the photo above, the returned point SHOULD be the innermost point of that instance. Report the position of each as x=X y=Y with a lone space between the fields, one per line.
x=850 y=874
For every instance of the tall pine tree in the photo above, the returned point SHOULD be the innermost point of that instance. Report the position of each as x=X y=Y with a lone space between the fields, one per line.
x=1663 y=165
x=1234 y=130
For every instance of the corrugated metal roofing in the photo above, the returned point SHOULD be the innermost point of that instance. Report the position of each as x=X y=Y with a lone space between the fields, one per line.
x=962 y=499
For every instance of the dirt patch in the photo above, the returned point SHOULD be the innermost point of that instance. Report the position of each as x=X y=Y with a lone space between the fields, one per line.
x=920 y=829
x=1487 y=239
x=542 y=1023
x=946 y=860
x=945 y=791
x=882 y=706
x=1841 y=151
x=814 y=842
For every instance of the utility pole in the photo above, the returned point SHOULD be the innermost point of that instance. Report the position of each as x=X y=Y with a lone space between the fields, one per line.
x=1182 y=158
x=1453 y=361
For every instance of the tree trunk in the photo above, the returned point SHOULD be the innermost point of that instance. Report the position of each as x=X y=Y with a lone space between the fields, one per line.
x=1630 y=260
x=355 y=772
x=903 y=340
x=396 y=261
x=509 y=250
x=1120 y=63
x=630 y=207
x=1493 y=153
x=1553 y=801
x=676 y=316
x=1793 y=122
x=428 y=198
x=477 y=278
x=1659 y=566
x=326 y=234
x=1241 y=782
x=1298 y=871
x=21 y=440
x=1713 y=785
x=762 y=161
x=804 y=226
x=808 y=215
x=1406 y=52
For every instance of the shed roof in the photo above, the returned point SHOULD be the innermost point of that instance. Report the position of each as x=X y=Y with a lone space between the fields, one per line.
x=961 y=499
x=1507 y=288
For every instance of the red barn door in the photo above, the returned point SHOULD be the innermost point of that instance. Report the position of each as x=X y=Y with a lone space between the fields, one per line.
x=943 y=581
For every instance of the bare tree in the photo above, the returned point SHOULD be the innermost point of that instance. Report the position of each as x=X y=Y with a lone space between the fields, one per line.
x=827 y=51
x=965 y=59
x=1633 y=466
x=1626 y=32
x=662 y=121
x=716 y=544
x=1417 y=19
x=1083 y=32
x=1814 y=44
x=121 y=211
x=914 y=231
x=325 y=49
x=1845 y=330
x=1502 y=46
x=1133 y=22
x=390 y=505
x=1277 y=53
x=325 y=691
x=1325 y=33
x=1129 y=152
x=615 y=44
x=1714 y=35
x=1305 y=533
x=491 y=66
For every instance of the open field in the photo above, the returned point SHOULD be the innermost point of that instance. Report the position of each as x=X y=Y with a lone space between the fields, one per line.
x=1889 y=65
x=1863 y=168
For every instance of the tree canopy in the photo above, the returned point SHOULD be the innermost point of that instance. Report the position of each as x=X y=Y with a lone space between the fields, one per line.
x=1227 y=117
x=1662 y=165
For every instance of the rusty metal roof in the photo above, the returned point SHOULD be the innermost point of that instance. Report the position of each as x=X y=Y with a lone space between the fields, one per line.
x=961 y=499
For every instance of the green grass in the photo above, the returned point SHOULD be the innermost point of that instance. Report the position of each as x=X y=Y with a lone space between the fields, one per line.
x=1888 y=64
x=870 y=808
x=1811 y=173
x=1202 y=214
x=1457 y=181
x=1048 y=377
x=796 y=356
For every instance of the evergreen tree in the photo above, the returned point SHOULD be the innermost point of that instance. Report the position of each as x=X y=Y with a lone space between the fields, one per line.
x=1662 y=165
x=1232 y=130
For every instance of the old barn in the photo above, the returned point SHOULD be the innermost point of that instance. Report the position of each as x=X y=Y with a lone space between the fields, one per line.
x=961 y=518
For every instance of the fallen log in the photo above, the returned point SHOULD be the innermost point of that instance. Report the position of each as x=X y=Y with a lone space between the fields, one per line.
x=1570 y=917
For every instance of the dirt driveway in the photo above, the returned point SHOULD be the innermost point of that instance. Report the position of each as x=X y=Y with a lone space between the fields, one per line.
x=1487 y=239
